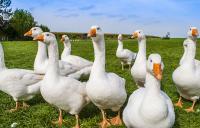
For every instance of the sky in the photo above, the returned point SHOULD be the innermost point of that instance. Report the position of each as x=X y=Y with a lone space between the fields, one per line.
x=154 y=17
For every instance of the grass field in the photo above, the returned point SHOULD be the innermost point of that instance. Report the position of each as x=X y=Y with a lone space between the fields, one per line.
x=40 y=114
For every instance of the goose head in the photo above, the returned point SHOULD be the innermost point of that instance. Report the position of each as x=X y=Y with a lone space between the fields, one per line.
x=155 y=66
x=193 y=32
x=120 y=37
x=139 y=34
x=34 y=32
x=96 y=33
x=46 y=37
x=64 y=39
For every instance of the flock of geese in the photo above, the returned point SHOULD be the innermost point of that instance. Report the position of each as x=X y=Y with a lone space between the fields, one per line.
x=58 y=80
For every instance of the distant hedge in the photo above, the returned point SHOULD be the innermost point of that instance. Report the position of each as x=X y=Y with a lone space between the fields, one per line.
x=84 y=35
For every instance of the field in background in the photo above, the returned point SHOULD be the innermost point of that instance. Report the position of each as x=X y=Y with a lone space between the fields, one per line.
x=40 y=114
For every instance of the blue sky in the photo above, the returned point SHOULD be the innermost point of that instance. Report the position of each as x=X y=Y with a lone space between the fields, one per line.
x=155 y=17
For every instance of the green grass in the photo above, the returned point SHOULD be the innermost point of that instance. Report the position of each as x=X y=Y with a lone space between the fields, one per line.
x=40 y=114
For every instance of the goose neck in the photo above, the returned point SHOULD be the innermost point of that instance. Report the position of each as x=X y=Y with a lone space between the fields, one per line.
x=183 y=57
x=142 y=46
x=42 y=52
x=141 y=55
x=190 y=54
x=67 y=48
x=53 y=65
x=2 y=61
x=120 y=45
x=152 y=84
x=99 y=62
x=67 y=44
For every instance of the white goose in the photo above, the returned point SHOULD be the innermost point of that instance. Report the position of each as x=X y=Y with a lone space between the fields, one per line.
x=84 y=65
x=138 y=70
x=72 y=59
x=41 y=60
x=106 y=90
x=150 y=107
x=21 y=84
x=63 y=92
x=187 y=75
x=126 y=56
x=67 y=46
x=191 y=37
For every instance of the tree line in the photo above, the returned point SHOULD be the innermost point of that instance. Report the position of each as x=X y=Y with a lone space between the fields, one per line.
x=13 y=25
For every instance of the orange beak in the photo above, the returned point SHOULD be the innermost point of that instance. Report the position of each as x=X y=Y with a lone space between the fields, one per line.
x=157 y=71
x=62 y=39
x=40 y=38
x=29 y=33
x=92 y=33
x=135 y=35
x=195 y=32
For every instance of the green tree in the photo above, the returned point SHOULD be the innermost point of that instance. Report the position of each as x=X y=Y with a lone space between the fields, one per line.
x=44 y=28
x=5 y=12
x=22 y=21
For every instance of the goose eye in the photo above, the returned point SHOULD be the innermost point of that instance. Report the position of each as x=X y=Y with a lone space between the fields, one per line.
x=98 y=28
x=139 y=32
x=47 y=34
x=151 y=61
x=185 y=45
x=34 y=29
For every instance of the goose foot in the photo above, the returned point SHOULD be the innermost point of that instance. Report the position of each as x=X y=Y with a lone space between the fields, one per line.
x=116 y=120
x=60 y=119
x=16 y=107
x=191 y=109
x=105 y=123
x=13 y=110
x=58 y=122
x=179 y=103
x=25 y=105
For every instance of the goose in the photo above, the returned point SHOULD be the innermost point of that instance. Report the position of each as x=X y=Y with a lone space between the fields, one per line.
x=21 y=84
x=105 y=90
x=67 y=46
x=66 y=54
x=126 y=56
x=41 y=60
x=72 y=59
x=149 y=107
x=138 y=70
x=187 y=76
x=65 y=93
x=84 y=65
x=190 y=36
